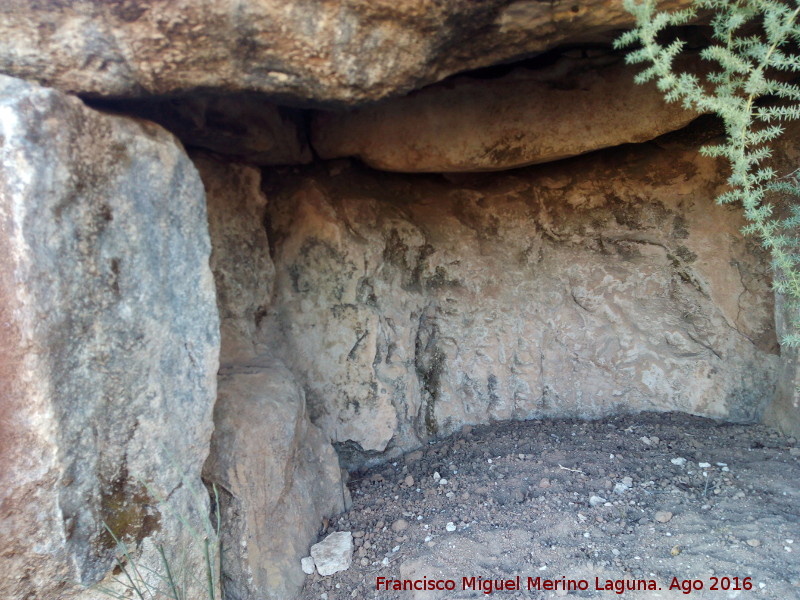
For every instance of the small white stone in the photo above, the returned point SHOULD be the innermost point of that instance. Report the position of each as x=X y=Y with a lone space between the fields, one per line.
x=436 y=476
x=307 y=564
x=680 y=461
x=334 y=553
x=704 y=465
x=450 y=526
x=443 y=481
x=597 y=501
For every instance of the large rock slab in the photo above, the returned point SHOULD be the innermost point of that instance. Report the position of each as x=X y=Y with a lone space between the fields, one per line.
x=412 y=305
x=277 y=473
x=346 y=52
x=240 y=259
x=529 y=116
x=783 y=412
x=279 y=476
x=110 y=339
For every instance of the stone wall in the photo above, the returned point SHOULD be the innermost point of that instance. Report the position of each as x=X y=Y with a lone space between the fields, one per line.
x=277 y=473
x=409 y=306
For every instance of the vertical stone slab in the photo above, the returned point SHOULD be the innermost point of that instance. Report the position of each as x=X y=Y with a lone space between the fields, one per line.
x=277 y=473
x=783 y=412
x=109 y=344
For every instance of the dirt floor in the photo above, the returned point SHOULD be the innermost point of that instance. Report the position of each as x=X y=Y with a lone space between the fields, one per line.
x=653 y=500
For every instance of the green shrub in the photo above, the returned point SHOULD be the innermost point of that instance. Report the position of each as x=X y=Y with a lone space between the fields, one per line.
x=750 y=88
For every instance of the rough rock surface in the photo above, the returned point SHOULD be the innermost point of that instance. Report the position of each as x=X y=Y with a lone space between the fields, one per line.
x=278 y=473
x=784 y=410
x=528 y=116
x=411 y=305
x=279 y=478
x=110 y=339
x=313 y=50
x=334 y=553
x=240 y=260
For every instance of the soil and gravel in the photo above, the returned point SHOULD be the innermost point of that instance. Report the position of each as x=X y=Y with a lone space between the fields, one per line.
x=663 y=498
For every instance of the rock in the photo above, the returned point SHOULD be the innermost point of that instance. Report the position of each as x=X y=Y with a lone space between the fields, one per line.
x=595 y=501
x=528 y=116
x=240 y=261
x=262 y=434
x=623 y=486
x=408 y=481
x=783 y=412
x=334 y=553
x=109 y=348
x=450 y=527
x=409 y=306
x=680 y=461
x=307 y=564
x=663 y=516
x=321 y=51
x=245 y=126
x=399 y=525
x=754 y=543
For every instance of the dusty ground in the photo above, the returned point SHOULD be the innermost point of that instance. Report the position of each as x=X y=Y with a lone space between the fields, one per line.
x=517 y=498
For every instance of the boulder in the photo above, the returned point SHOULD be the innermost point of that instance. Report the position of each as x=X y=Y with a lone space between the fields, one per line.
x=409 y=306
x=316 y=50
x=574 y=106
x=109 y=350
x=278 y=476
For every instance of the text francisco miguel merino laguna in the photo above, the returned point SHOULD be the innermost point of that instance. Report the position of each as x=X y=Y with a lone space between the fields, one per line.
x=487 y=586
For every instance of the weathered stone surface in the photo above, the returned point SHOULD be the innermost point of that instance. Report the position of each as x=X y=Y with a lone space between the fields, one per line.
x=279 y=476
x=411 y=305
x=240 y=260
x=278 y=473
x=110 y=339
x=529 y=116
x=313 y=50
x=245 y=126
x=334 y=553
x=783 y=412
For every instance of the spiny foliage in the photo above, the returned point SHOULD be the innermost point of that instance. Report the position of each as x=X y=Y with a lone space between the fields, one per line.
x=753 y=60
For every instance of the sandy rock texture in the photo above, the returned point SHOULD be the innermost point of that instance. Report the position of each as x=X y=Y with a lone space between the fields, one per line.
x=310 y=51
x=277 y=473
x=530 y=115
x=110 y=340
x=412 y=305
x=240 y=260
